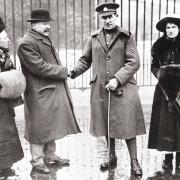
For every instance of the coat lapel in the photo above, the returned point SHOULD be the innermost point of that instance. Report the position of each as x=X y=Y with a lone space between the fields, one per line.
x=113 y=39
x=46 y=41
x=102 y=40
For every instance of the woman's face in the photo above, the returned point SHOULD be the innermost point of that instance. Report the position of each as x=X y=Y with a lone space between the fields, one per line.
x=172 y=30
x=4 y=40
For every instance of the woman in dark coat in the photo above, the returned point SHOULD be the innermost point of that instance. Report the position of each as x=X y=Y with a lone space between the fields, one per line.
x=10 y=146
x=164 y=132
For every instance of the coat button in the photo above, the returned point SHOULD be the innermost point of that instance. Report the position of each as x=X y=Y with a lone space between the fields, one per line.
x=108 y=57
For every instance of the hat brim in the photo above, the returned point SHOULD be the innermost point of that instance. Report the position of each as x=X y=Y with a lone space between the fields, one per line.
x=161 y=25
x=40 y=20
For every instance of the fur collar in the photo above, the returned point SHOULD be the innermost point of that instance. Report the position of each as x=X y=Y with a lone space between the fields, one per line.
x=163 y=44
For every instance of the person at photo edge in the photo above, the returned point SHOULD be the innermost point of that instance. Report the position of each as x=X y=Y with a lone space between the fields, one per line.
x=48 y=106
x=164 y=134
x=10 y=145
x=112 y=53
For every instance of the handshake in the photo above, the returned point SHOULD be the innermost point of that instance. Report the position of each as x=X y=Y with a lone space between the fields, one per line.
x=72 y=74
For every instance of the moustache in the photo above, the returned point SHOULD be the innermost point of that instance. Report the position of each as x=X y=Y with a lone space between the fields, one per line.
x=108 y=24
x=47 y=30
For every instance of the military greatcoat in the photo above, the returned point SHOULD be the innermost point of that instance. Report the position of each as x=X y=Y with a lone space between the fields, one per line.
x=121 y=60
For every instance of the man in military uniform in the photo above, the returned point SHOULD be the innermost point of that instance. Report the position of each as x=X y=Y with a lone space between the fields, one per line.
x=112 y=53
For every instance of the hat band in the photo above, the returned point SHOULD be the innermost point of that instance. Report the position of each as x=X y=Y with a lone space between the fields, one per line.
x=108 y=10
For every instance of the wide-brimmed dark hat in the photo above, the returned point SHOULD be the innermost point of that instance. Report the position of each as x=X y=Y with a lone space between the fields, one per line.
x=40 y=14
x=107 y=9
x=174 y=18
x=2 y=25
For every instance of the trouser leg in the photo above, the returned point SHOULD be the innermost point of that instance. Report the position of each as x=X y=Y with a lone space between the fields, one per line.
x=37 y=154
x=49 y=149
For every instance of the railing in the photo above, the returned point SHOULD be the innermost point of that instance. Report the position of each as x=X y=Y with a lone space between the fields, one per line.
x=76 y=19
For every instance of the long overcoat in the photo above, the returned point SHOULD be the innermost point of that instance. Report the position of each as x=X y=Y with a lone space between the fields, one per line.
x=49 y=111
x=10 y=145
x=120 y=60
x=164 y=134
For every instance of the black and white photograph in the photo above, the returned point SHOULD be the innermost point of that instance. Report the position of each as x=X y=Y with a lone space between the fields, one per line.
x=90 y=90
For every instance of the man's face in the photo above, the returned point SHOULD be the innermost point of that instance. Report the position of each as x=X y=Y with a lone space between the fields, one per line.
x=4 y=40
x=172 y=30
x=109 y=22
x=42 y=27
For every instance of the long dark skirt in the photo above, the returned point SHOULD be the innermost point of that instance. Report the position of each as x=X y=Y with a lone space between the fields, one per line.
x=10 y=146
x=164 y=134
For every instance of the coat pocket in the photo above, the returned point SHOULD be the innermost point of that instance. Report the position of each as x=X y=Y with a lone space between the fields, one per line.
x=46 y=93
x=50 y=86
x=93 y=79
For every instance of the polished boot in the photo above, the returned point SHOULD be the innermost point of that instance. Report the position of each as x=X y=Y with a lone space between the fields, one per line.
x=167 y=163
x=109 y=165
x=135 y=168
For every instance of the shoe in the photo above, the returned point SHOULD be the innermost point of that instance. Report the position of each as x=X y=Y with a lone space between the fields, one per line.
x=167 y=163
x=135 y=168
x=57 y=161
x=111 y=164
x=42 y=168
x=7 y=172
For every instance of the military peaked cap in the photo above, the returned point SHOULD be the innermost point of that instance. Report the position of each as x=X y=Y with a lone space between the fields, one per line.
x=107 y=9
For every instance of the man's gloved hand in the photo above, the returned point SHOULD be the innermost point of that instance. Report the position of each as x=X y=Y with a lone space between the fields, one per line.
x=72 y=74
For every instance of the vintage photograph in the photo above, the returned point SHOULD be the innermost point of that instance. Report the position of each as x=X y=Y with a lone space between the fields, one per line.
x=90 y=90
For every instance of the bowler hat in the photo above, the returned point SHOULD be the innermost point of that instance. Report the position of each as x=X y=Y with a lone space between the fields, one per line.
x=107 y=9
x=40 y=14
x=2 y=25
x=172 y=18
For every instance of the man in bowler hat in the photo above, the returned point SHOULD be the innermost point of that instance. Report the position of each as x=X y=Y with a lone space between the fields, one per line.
x=112 y=53
x=48 y=109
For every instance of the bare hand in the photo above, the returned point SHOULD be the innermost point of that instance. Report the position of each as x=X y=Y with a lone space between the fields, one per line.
x=112 y=84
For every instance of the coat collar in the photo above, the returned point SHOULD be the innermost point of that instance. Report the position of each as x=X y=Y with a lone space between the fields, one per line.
x=38 y=36
x=99 y=34
x=45 y=40
x=163 y=45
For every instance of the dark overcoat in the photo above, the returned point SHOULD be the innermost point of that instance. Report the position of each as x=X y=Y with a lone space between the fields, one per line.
x=164 y=134
x=10 y=145
x=49 y=111
x=120 y=60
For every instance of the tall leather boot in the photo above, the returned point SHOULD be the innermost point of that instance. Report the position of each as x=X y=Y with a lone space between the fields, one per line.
x=167 y=163
x=135 y=167
x=112 y=162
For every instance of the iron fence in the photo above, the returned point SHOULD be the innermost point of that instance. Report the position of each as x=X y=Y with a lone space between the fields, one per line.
x=76 y=19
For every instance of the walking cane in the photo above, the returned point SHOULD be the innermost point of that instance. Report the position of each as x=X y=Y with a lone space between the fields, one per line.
x=108 y=135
